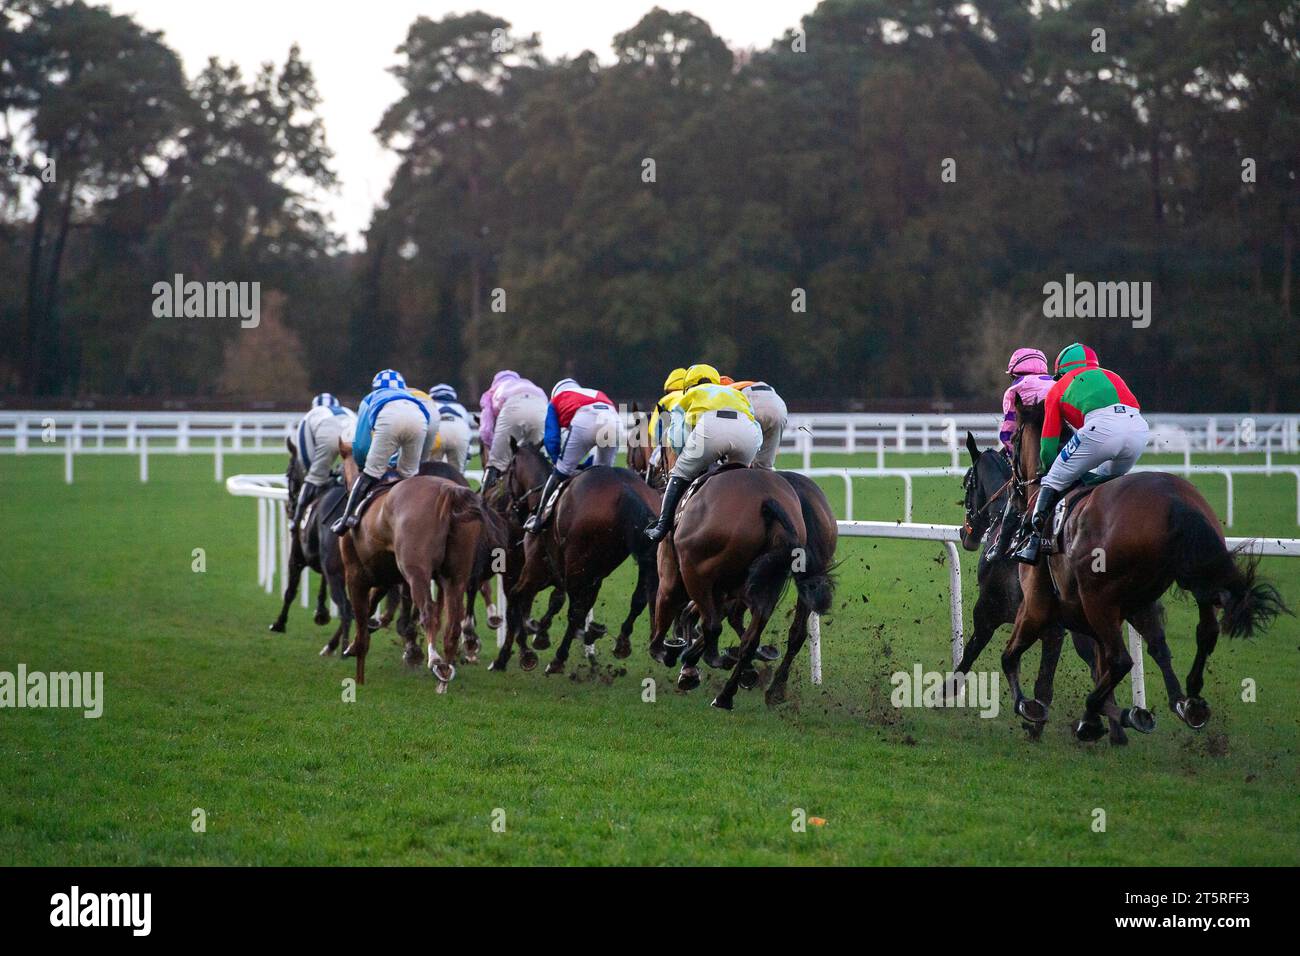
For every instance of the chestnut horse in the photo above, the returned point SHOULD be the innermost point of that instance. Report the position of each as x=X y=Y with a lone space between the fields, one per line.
x=988 y=485
x=423 y=530
x=1126 y=543
x=598 y=523
x=741 y=535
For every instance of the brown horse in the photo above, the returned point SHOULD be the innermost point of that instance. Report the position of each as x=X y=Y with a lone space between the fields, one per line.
x=1126 y=543
x=423 y=530
x=741 y=535
x=598 y=523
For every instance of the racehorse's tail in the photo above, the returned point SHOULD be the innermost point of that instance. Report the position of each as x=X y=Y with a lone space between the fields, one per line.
x=816 y=583
x=633 y=516
x=771 y=571
x=1204 y=567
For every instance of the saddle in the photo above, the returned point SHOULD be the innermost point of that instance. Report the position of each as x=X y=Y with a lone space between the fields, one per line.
x=553 y=502
x=717 y=468
x=385 y=485
x=1056 y=542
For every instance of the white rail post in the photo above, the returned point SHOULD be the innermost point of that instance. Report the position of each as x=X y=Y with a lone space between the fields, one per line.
x=880 y=451
x=848 y=494
x=67 y=461
x=907 y=497
x=501 y=609
x=1137 y=675
x=20 y=436
x=183 y=435
x=282 y=529
x=217 y=462
x=954 y=601
x=806 y=438
x=130 y=434
x=1228 y=475
x=850 y=438
x=144 y=458
x=304 y=585
x=902 y=436
x=261 y=542
x=815 y=647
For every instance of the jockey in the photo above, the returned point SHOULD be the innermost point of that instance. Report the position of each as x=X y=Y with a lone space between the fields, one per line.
x=512 y=407
x=659 y=417
x=592 y=422
x=390 y=421
x=722 y=427
x=1031 y=383
x=318 y=447
x=770 y=413
x=452 y=445
x=1109 y=433
x=435 y=420
x=1029 y=380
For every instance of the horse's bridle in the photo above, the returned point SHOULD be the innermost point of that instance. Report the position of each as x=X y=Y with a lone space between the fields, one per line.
x=516 y=505
x=970 y=483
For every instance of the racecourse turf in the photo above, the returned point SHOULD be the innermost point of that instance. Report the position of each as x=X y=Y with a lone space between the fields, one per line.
x=207 y=710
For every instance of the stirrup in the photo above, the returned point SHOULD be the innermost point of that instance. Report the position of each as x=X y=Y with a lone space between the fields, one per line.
x=1031 y=550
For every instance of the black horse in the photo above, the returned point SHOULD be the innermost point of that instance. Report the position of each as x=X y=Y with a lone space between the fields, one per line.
x=315 y=546
x=988 y=487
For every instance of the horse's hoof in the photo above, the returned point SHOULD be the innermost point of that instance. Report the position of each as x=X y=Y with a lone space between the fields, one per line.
x=327 y=651
x=748 y=679
x=445 y=671
x=623 y=647
x=775 y=695
x=722 y=662
x=555 y=667
x=595 y=629
x=1035 y=731
x=528 y=660
x=1031 y=710
x=497 y=665
x=322 y=618
x=1118 y=738
x=1138 y=718
x=349 y=651
x=767 y=652
x=495 y=620
x=1193 y=711
x=278 y=627
x=688 y=679
x=721 y=703
x=532 y=625
x=375 y=624
x=1089 y=730
x=542 y=641
x=589 y=651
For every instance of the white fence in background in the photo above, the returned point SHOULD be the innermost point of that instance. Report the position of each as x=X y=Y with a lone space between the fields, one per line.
x=179 y=432
x=273 y=554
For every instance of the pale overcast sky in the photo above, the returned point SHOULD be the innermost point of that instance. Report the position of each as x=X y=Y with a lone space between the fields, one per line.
x=350 y=45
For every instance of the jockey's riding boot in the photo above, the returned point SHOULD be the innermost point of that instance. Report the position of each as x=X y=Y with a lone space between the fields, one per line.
x=490 y=476
x=534 y=523
x=306 y=495
x=672 y=494
x=1006 y=531
x=1042 y=508
x=349 y=520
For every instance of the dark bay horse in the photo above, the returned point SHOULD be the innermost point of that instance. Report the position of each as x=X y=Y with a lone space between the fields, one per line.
x=740 y=536
x=598 y=523
x=1126 y=543
x=315 y=546
x=424 y=530
x=988 y=486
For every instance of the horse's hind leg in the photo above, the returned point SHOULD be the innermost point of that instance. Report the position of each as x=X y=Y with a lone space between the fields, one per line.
x=986 y=620
x=709 y=609
x=1031 y=619
x=670 y=596
x=640 y=598
x=296 y=564
x=1113 y=663
x=339 y=594
x=1195 y=711
x=359 y=596
x=1045 y=684
x=748 y=647
x=541 y=630
x=1086 y=648
x=1151 y=625
x=448 y=613
x=322 y=609
x=581 y=599
x=798 y=634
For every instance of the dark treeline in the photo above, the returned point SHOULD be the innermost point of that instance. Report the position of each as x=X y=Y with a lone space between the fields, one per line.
x=1164 y=149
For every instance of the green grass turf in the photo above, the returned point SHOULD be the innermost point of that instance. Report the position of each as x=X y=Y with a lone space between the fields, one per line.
x=206 y=709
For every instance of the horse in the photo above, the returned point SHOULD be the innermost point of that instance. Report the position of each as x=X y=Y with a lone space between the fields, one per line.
x=598 y=522
x=315 y=546
x=739 y=535
x=823 y=537
x=1126 y=543
x=424 y=529
x=987 y=484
